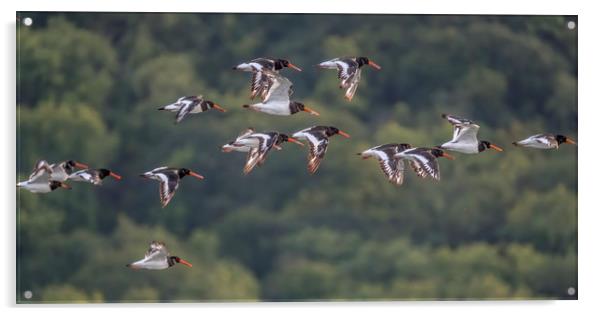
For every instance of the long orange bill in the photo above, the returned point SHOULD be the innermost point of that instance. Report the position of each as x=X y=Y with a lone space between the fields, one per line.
x=448 y=156
x=65 y=186
x=290 y=65
x=496 y=147
x=218 y=107
x=344 y=134
x=373 y=65
x=196 y=175
x=114 y=175
x=310 y=111
x=570 y=141
x=81 y=165
x=292 y=140
x=186 y=263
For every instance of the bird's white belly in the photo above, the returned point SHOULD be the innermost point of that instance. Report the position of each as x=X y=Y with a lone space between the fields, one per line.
x=280 y=108
x=58 y=175
x=535 y=144
x=465 y=148
x=38 y=187
x=151 y=265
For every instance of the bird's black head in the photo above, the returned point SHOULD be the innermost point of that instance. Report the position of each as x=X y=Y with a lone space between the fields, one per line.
x=57 y=184
x=296 y=107
x=362 y=61
x=175 y=259
x=488 y=145
x=281 y=63
x=281 y=139
x=563 y=139
x=331 y=130
x=437 y=152
x=182 y=172
x=102 y=173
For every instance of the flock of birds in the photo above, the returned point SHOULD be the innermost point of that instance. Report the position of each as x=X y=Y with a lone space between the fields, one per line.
x=275 y=92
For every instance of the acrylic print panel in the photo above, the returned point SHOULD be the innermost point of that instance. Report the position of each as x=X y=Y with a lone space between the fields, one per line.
x=107 y=98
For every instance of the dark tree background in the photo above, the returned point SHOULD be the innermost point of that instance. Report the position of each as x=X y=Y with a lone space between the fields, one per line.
x=498 y=225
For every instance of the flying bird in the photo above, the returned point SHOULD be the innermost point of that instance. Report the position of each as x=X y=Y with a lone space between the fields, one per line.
x=94 y=176
x=190 y=105
x=62 y=170
x=424 y=160
x=277 y=100
x=392 y=167
x=157 y=257
x=465 y=137
x=257 y=145
x=260 y=83
x=544 y=141
x=317 y=138
x=349 y=72
x=170 y=180
x=40 y=180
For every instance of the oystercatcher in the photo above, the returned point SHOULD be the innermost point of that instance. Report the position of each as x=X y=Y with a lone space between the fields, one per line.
x=40 y=180
x=157 y=257
x=465 y=137
x=392 y=167
x=349 y=71
x=170 y=180
x=317 y=138
x=190 y=105
x=94 y=176
x=544 y=141
x=260 y=83
x=277 y=100
x=424 y=160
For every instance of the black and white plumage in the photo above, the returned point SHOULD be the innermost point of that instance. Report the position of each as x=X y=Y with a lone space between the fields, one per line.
x=317 y=138
x=544 y=141
x=40 y=180
x=257 y=145
x=392 y=167
x=94 y=176
x=465 y=137
x=349 y=72
x=424 y=160
x=157 y=257
x=170 y=180
x=62 y=170
x=190 y=105
x=277 y=100
x=260 y=83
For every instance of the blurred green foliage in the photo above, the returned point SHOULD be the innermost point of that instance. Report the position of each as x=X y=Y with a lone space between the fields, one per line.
x=498 y=225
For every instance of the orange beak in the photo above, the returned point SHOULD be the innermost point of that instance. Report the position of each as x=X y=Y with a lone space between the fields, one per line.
x=495 y=147
x=344 y=134
x=65 y=186
x=219 y=108
x=310 y=111
x=186 y=263
x=81 y=165
x=292 y=140
x=196 y=175
x=570 y=141
x=290 y=65
x=114 y=175
x=448 y=156
x=373 y=65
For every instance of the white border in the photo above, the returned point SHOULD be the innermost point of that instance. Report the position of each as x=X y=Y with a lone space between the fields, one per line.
x=590 y=52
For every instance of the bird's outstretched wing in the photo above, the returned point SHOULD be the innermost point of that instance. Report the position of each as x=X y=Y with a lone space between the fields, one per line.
x=167 y=187
x=40 y=170
x=156 y=249
x=465 y=133
x=280 y=89
x=318 y=145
